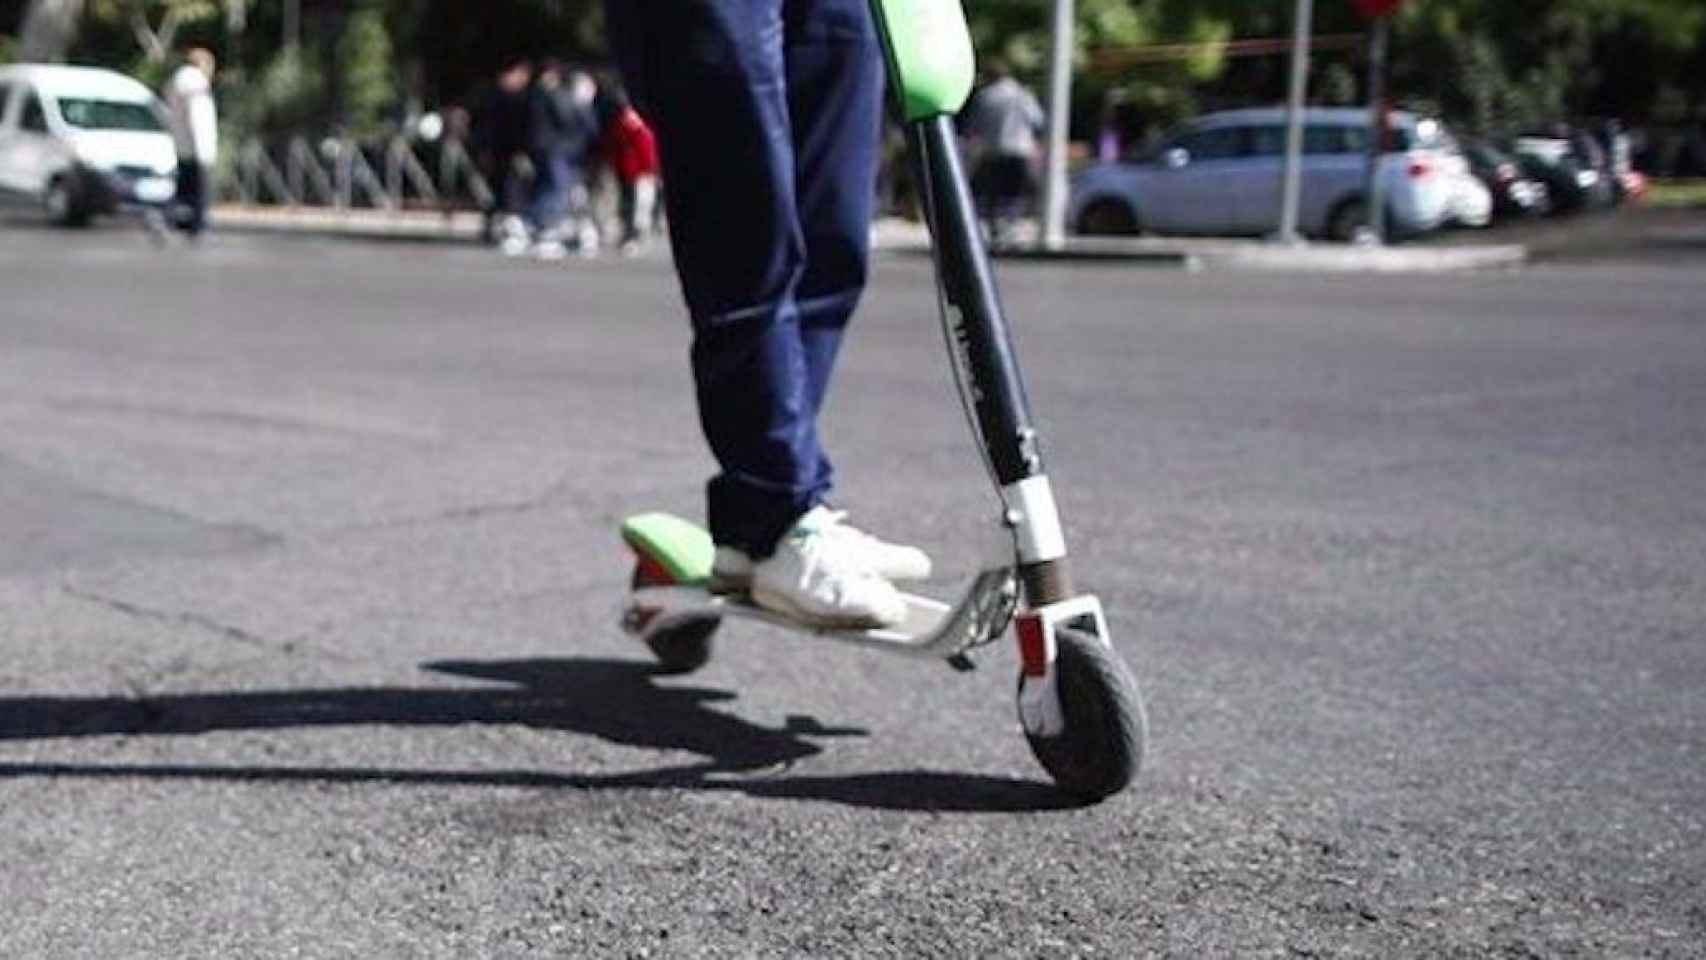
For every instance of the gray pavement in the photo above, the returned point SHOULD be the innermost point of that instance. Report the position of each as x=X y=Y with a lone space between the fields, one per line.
x=309 y=583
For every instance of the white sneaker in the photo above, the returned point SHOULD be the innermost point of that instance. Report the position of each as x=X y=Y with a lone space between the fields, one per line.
x=550 y=249
x=819 y=577
x=891 y=561
x=513 y=236
x=731 y=570
x=588 y=241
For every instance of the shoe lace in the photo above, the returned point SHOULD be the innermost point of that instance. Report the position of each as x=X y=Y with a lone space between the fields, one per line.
x=822 y=547
x=834 y=523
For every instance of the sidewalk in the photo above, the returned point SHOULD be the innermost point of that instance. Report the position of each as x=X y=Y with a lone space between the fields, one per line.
x=1220 y=253
x=421 y=225
x=909 y=237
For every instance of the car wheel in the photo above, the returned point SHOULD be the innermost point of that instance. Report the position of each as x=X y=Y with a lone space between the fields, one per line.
x=62 y=205
x=1348 y=217
x=1108 y=218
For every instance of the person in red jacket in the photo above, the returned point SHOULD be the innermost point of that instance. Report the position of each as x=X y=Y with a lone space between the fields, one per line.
x=632 y=151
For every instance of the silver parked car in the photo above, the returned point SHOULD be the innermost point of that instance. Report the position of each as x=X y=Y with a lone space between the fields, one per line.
x=1221 y=174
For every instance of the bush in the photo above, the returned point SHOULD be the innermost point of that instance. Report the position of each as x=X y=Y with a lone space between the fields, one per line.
x=365 y=83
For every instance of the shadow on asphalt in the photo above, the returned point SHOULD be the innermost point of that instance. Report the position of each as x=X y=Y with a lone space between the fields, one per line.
x=618 y=701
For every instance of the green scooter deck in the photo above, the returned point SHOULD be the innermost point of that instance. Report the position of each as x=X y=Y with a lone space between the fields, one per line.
x=680 y=548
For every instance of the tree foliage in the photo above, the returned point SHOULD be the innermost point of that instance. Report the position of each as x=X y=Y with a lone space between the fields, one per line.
x=366 y=80
x=1486 y=63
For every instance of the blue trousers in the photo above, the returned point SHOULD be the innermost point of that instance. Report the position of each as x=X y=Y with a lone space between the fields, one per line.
x=768 y=115
x=555 y=177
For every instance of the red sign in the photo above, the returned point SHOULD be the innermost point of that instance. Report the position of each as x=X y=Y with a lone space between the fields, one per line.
x=1375 y=9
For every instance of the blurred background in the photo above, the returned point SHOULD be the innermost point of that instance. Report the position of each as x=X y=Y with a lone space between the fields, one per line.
x=318 y=99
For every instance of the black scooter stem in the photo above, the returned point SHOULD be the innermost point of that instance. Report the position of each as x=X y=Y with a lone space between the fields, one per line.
x=978 y=331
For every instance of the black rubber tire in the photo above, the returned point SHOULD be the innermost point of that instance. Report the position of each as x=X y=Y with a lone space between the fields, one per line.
x=1101 y=750
x=1109 y=218
x=684 y=647
x=62 y=205
x=1348 y=217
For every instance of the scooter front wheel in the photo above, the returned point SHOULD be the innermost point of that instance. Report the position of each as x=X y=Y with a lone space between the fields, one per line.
x=1100 y=749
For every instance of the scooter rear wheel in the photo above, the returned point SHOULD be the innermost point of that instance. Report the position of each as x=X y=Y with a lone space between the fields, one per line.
x=1101 y=748
x=686 y=647
x=681 y=647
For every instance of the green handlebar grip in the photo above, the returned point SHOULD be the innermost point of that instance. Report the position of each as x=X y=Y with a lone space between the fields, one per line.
x=930 y=60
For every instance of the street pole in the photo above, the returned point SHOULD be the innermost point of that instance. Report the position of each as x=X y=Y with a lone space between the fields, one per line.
x=1059 y=116
x=1293 y=186
x=1376 y=184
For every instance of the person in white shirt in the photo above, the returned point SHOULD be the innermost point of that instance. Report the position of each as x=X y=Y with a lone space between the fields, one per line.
x=195 y=127
x=1003 y=123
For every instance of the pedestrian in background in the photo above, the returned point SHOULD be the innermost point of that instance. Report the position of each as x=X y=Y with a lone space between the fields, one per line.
x=500 y=136
x=561 y=135
x=1004 y=122
x=631 y=149
x=195 y=129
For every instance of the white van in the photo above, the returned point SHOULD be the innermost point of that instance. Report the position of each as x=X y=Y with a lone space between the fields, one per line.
x=77 y=142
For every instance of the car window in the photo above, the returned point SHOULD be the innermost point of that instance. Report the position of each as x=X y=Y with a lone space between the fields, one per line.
x=108 y=115
x=1318 y=139
x=1267 y=141
x=34 y=120
x=1335 y=139
x=5 y=100
x=1219 y=143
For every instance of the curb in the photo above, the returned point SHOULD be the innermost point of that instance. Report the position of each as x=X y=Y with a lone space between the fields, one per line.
x=906 y=238
x=459 y=227
x=1324 y=259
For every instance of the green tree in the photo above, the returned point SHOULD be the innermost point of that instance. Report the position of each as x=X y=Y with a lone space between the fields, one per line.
x=366 y=79
x=155 y=23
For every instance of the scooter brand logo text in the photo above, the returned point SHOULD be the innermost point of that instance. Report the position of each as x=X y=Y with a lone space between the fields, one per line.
x=960 y=337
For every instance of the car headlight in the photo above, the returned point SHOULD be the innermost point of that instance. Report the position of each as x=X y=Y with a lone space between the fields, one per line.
x=1587 y=178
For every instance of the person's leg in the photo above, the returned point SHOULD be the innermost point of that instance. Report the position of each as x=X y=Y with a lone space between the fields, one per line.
x=183 y=198
x=581 y=219
x=193 y=181
x=627 y=210
x=545 y=208
x=710 y=76
x=645 y=206
x=204 y=196
x=835 y=94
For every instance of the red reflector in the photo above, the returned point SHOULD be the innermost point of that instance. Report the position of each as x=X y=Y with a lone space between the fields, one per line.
x=1033 y=644
x=653 y=574
x=1418 y=169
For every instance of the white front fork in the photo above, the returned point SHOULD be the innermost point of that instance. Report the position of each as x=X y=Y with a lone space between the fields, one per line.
x=1039 y=690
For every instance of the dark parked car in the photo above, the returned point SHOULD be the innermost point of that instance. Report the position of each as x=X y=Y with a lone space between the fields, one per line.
x=1515 y=193
x=1573 y=167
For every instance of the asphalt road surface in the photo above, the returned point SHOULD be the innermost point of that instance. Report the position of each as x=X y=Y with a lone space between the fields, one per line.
x=309 y=581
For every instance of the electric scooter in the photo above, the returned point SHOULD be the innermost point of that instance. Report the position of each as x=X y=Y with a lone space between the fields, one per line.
x=1078 y=703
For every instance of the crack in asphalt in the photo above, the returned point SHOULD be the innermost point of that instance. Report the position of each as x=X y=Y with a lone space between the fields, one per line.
x=187 y=617
x=190 y=413
x=477 y=511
